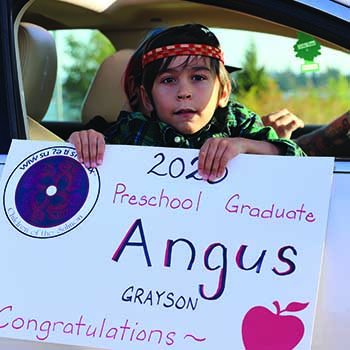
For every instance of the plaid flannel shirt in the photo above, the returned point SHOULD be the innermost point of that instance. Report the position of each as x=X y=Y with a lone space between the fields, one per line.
x=235 y=120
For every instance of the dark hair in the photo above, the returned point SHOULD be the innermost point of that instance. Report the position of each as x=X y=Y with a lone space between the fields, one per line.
x=134 y=69
x=184 y=34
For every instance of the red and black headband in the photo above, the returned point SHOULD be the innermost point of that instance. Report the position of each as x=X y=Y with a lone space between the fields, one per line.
x=182 y=50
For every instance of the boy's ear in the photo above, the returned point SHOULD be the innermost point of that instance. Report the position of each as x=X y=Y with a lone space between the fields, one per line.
x=146 y=100
x=225 y=95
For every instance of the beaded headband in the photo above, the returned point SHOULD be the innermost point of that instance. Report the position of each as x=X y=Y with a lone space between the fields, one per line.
x=182 y=50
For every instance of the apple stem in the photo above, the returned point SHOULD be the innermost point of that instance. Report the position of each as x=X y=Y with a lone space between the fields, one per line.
x=277 y=306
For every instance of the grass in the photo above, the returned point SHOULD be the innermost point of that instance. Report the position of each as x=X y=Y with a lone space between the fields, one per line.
x=315 y=105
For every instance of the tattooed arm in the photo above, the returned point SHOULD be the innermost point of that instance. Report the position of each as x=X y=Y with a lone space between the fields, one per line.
x=330 y=140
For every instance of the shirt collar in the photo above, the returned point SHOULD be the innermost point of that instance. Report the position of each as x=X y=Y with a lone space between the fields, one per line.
x=172 y=138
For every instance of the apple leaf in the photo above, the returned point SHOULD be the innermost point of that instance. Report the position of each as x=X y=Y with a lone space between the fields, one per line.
x=295 y=306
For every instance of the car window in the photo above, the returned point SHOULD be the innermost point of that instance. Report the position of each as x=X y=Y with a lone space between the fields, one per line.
x=80 y=53
x=314 y=84
x=275 y=73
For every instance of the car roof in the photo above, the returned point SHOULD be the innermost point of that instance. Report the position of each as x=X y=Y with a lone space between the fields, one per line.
x=126 y=22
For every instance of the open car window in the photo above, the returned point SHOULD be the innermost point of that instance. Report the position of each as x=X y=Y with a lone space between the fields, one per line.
x=300 y=74
x=79 y=54
x=275 y=74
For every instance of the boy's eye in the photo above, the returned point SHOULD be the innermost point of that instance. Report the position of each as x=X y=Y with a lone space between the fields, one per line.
x=198 y=77
x=167 y=80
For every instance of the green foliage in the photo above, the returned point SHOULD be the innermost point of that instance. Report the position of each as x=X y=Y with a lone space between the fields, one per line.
x=251 y=77
x=320 y=105
x=317 y=98
x=314 y=104
x=263 y=101
x=85 y=56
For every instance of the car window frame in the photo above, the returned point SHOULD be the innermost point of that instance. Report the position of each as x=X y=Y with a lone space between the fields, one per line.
x=324 y=25
x=13 y=124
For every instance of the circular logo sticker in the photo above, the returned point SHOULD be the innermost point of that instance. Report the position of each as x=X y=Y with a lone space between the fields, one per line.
x=50 y=193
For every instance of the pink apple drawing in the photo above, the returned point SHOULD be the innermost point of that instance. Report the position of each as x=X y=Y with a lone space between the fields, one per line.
x=264 y=330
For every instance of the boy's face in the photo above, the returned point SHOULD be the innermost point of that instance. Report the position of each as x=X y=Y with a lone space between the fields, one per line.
x=186 y=96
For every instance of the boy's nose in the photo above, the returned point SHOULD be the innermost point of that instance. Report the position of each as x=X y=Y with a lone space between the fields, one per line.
x=184 y=95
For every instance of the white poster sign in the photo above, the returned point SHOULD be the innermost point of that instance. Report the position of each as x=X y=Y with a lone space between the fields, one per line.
x=143 y=254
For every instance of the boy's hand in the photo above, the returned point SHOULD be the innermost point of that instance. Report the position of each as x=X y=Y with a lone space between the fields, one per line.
x=90 y=147
x=215 y=154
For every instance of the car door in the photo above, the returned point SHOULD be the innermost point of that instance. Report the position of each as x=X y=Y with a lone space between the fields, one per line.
x=11 y=120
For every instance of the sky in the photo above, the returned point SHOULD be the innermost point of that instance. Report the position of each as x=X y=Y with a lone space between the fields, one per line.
x=235 y=43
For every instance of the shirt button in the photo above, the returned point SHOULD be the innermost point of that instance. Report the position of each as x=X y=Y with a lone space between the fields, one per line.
x=177 y=139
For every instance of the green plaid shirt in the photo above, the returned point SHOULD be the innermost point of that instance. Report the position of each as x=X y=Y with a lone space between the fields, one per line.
x=235 y=120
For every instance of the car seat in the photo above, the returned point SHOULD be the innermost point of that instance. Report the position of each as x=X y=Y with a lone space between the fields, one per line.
x=105 y=96
x=38 y=58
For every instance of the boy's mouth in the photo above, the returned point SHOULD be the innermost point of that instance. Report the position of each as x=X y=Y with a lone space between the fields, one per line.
x=185 y=111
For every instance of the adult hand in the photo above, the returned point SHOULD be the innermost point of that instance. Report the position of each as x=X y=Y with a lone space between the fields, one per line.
x=90 y=147
x=284 y=122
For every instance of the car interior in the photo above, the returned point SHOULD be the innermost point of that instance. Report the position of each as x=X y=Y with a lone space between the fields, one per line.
x=124 y=23
x=105 y=95
x=38 y=59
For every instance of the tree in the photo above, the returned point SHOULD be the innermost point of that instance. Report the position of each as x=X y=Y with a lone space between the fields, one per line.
x=252 y=76
x=80 y=67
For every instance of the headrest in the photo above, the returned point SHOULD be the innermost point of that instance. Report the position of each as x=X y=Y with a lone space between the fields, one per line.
x=106 y=96
x=38 y=58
